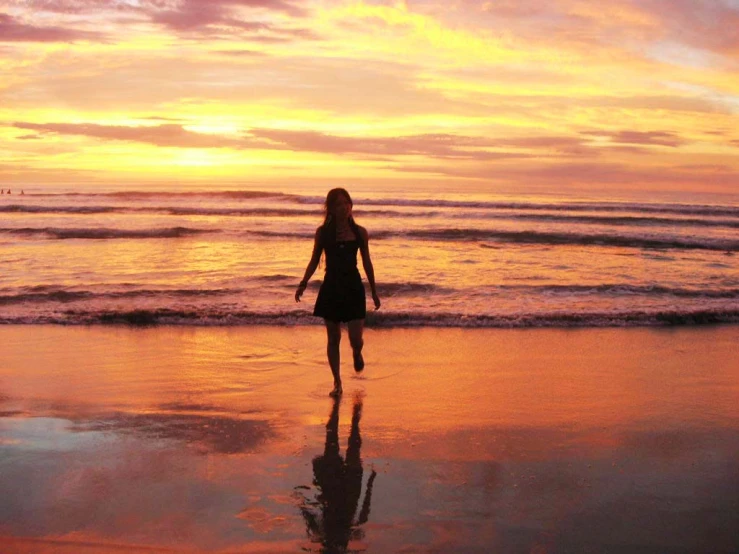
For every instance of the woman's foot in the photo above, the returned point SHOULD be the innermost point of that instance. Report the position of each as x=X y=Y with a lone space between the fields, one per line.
x=337 y=391
x=358 y=361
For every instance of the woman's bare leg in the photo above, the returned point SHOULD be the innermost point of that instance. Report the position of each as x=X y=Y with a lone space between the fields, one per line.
x=333 y=332
x=356 y=328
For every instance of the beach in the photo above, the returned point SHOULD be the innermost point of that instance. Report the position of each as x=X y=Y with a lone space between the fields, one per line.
x=527 y=213
x=223 y=439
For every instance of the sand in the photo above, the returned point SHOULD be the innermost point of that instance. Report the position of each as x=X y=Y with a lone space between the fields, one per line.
x=224 y=440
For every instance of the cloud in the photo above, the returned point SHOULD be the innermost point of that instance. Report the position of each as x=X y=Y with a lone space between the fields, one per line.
x=446 y=146
x=160 y=118
x=191 y=17
x=86 y=6
x=559 y=144
x=567 y=24
x=223 y=17
x=211 y=18
x=172 y=135
x=13 y=30
x=587 y=174
x=629 y=30
x=70 y=7
x=650 y=138
x=658 y=138
x=289 y=7
x=167 y=80
x=439 y=146
x=709 y=24
x=433 y=145
x=166 y=135
x=714 y=168
x=241 y=52
x=697 y=104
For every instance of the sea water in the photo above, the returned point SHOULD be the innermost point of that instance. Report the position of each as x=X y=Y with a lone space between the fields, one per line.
x=227 y=256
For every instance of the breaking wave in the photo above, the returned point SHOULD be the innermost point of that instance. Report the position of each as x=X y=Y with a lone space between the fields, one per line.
x=539 y=237
x=61 y=233
x=569 y=206
x=183 y=317
x=59 y=295
x=624 y=220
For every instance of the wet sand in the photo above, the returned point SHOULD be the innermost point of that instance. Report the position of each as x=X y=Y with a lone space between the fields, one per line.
x=224 y=440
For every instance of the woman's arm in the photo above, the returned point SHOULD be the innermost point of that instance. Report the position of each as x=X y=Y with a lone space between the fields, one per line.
x=312 y=265
x=369 y=270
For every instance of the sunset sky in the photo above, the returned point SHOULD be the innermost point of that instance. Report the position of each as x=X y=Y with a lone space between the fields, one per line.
x=508 y=93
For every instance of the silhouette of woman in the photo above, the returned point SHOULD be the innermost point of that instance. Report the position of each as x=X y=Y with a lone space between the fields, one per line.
x=330 y=517
x=341 y=297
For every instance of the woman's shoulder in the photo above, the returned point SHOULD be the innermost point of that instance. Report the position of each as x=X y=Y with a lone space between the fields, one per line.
x=363 y=232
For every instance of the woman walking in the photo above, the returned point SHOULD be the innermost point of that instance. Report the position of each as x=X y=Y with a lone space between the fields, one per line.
x=341 y=297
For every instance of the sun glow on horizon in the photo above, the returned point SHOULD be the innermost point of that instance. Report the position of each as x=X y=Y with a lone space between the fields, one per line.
x=492 y=94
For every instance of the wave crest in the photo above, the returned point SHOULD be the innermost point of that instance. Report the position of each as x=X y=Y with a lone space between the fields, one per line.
x=103 y=233
x=166 y=316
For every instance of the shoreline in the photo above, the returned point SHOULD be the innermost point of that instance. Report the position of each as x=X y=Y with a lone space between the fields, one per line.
x=166 y=317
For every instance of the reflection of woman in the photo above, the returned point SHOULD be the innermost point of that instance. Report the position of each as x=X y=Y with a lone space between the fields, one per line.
x=339 y=483
x=341 y=297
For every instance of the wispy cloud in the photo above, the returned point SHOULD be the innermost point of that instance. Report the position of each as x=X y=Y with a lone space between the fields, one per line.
x=166 y=135
x=220 y=16
x=195 y=18
x=653 y=138
x=593 y=175
x=241 y=52
x=445 y=146
x=14 y=30
x=442 y=146
x=707 y=24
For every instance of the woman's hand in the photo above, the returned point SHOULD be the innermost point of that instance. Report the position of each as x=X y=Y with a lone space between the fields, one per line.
x=299 y=292
x=376 y=299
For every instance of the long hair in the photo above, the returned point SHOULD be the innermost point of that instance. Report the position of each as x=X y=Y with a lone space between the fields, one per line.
x=328 y=230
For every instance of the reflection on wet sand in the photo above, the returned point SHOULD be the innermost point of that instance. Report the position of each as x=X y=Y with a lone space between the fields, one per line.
x=514 y=442
x=221 y=434
x=330 y=514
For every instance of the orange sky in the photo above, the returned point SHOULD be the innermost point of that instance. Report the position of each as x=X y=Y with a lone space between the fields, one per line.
x=498 y=94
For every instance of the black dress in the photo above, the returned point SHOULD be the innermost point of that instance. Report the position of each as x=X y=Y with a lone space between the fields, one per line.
x=341 y=296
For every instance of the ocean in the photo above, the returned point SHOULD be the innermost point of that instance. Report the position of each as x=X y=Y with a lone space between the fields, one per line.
x=234 y=257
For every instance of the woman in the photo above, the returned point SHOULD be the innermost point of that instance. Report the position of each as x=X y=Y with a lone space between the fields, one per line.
x=341 y=297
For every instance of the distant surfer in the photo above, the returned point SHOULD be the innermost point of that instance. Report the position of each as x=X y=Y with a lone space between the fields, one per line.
x=341 y=297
